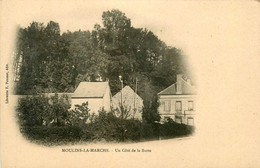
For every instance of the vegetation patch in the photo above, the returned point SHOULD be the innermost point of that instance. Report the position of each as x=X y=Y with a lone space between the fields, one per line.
x=50 y=121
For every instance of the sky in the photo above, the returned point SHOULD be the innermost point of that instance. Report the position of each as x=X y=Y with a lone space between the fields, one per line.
x=167 y=23
x=195 y=27
x=217 y=37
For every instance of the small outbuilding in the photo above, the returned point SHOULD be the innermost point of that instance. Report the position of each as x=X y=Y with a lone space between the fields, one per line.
x=131 y=101
x=97 y=94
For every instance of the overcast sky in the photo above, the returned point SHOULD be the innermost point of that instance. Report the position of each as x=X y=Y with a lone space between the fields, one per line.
x=203 y=30
x=169 y=21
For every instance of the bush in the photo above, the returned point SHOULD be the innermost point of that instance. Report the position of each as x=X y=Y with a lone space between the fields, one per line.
x=49 y=121
x=105 y=126
x=111 y=128
x=132 y=129
x=39 y=110
x=78 y=116
x=50 y=135
x=172 y=129
x=33 y=110
x=147 y=131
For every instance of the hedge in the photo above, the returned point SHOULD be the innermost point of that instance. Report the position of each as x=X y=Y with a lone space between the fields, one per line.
x=53 y=124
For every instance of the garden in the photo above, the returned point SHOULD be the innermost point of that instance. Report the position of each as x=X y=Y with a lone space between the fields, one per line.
x=50 y=121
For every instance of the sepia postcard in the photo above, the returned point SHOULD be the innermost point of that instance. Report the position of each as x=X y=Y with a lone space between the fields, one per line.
x=130 y=84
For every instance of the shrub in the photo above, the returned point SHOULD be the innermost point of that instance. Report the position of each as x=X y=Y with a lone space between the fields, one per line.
x=78 y=116
x=49 y=121
x=132 y=129
x=147 y=131
x=172 y=129
x=32 y=111
x=52 y=134
x=150 y=111
x=39 y=110
x=43 y=119
x=107 y=126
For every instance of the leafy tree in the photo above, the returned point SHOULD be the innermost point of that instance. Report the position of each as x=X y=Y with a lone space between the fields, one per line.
x=31 y=110
x=79 y=116
x=40 y=110
x=89 y=63
x=51 y=62
x=40 y=49
x=171 y=64
x=122 y=112
x=58 y=110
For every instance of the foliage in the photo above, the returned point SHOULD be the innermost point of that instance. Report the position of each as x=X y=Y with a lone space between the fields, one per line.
x=47 y=60
x=53 y=135
x=48 y=121
x=172 y=129
x=33 y=110
x=122 y=112
x=105 y=126
x=150 y=113
x=38 y=110
x=108 y=126
x=78 y=116
x=147 y=131
x=89 y=62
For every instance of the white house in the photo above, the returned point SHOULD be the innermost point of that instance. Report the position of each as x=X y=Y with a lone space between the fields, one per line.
x=130 y=100
x=97 y=94
x=178 y=102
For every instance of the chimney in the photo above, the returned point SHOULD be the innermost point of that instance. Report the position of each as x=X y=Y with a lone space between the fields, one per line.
x=179 y=84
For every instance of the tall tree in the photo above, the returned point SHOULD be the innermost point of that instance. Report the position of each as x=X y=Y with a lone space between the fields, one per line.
x=51 y=62
x=89 y=62
x=41 y=49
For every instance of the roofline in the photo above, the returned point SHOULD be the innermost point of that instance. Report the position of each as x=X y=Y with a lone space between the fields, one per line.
x=165 y=89
x=188 y=84
x=105 y=89
x=93 y=82
x=95 y=96
x=86 y=97
x=175 y=94
x=131 y=89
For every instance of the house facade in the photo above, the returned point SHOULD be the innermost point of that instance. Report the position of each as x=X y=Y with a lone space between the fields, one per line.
x=97 y=94
x=178 y=102
x=130 y=100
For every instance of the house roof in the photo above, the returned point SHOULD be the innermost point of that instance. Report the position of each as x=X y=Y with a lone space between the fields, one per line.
x=187 y=89
x=90 y=90
x=128 y=92
x=129 y=99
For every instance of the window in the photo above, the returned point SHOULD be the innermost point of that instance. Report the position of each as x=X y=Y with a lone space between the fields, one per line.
x=167 y=106
x=190 y=121
x=178 y=107
x=190 y=105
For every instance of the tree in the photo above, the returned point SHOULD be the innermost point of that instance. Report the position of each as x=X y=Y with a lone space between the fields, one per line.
x=171 y=64
x=40 y=49
x=58 y=110
x=51 y=62
x=79 y=115
x=40 y=110
x=89 y=62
